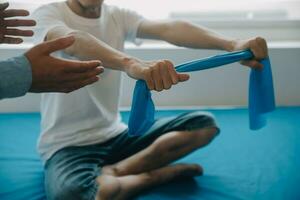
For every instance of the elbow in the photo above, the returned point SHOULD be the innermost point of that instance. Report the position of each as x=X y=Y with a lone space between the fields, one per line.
x=79 y=35
x=78 y=45
x=181 y=23
x=177 y=25
x=172 y=31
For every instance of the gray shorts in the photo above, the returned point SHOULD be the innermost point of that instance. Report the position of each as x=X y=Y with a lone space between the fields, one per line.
x=71 y=173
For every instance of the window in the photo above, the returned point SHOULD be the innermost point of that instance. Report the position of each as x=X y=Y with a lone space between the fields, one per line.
x=272 y=19
x=157 y=9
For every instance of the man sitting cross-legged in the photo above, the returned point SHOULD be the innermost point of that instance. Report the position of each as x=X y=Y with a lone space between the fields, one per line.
x=85 y=146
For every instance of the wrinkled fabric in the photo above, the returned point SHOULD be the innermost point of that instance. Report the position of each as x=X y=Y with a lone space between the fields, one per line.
x=260 y=95
x=15 y=77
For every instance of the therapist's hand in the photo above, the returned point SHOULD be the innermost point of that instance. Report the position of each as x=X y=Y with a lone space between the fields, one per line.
x=259 y=48
x=51 y=74
x=159 y=75
x=8 y=33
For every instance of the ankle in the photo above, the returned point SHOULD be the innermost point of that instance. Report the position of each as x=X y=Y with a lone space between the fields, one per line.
x=110 y=170
x=110 y=187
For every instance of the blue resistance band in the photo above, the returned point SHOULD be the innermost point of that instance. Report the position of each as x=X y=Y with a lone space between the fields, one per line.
x=261 y=92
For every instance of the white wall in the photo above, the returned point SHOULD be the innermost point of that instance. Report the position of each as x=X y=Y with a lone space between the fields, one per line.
x=216 y=87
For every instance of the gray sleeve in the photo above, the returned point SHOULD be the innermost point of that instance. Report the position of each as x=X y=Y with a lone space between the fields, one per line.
x=15 y=77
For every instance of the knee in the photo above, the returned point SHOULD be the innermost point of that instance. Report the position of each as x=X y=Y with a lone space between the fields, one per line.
x=181 y=139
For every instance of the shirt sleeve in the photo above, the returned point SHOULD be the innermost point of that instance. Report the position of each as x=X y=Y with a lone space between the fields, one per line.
x=47 y=17
x=16 y=77
x=130 y=22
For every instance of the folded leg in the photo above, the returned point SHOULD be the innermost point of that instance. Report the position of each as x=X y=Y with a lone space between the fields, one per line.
x=125 y=187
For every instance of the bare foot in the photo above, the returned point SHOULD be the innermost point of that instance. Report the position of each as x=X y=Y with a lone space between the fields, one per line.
x=172 y=172
x=109 y=187
x=124 y=187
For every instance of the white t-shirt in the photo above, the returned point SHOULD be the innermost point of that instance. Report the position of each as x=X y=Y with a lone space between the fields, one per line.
x=89 y=115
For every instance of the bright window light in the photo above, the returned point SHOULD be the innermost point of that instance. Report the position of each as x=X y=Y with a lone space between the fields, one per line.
x=212 y=9
x=275 y=20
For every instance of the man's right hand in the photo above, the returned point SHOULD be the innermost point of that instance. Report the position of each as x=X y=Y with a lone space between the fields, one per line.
x=159 y=75
x=51 y=74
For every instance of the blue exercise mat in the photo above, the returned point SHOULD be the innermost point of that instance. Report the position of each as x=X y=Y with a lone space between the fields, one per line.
x=261 y=92
x=237 y=164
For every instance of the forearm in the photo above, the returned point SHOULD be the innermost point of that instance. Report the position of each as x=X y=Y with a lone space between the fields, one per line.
x=87 y=47
x=185 y=34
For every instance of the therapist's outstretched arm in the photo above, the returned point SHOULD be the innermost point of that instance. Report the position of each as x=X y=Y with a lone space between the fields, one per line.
x=50 y=74
x=182 y=33
x=37 y=71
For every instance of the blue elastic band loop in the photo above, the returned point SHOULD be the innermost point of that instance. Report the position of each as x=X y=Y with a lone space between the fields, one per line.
x=261 y=92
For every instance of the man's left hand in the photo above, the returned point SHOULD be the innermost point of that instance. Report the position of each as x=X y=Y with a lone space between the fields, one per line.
x=259 y=48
